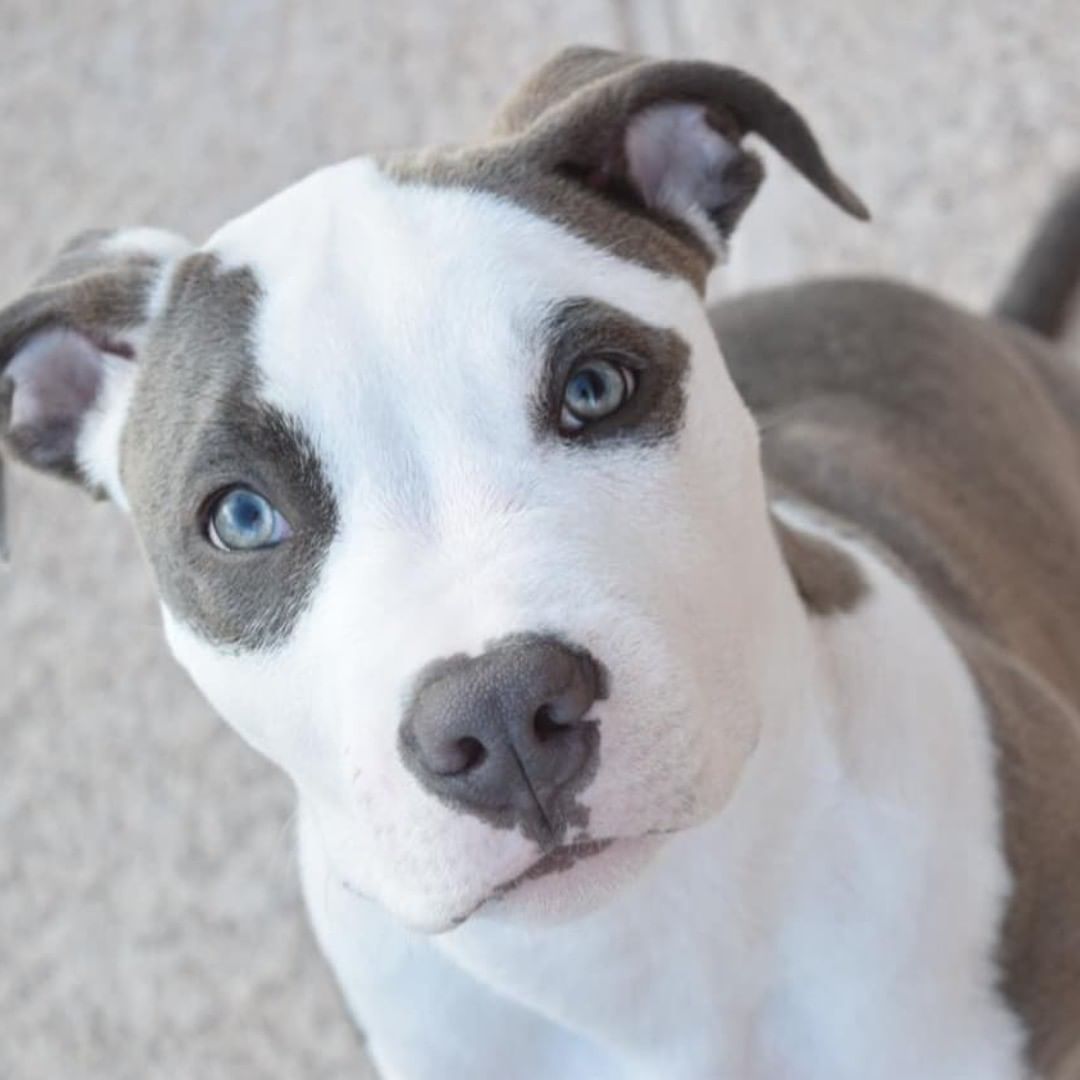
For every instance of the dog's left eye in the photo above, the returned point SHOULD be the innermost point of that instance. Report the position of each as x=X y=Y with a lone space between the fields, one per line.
x=596 y=388
x=243 y=520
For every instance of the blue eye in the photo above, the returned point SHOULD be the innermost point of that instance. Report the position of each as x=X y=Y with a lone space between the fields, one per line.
x=595 y=389
x=242 y=520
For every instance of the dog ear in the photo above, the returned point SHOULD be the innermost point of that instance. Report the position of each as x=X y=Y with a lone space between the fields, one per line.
x=665 y=136
x=68 y=350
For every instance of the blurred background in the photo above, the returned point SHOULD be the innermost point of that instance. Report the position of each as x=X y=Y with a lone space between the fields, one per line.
x=150 y=923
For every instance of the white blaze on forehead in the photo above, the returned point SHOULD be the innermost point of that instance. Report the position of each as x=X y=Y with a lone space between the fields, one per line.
x=389 y=305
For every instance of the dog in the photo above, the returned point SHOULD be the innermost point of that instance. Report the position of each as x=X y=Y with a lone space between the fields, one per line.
x=669 y=690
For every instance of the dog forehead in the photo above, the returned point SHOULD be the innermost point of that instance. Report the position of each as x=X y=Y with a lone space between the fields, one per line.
x=375 y=286
x=398 y=235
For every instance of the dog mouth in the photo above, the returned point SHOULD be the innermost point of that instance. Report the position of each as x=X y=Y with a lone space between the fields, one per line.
x=550 y=864
x=557 y=861
x=627 y=852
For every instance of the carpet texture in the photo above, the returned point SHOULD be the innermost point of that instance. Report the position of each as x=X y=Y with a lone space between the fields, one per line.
x=150 y=923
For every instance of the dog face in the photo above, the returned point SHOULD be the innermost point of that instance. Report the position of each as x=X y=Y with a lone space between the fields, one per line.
x=454 y=511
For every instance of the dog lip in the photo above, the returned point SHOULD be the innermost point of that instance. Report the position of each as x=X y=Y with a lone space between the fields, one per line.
x=558 y=860
x=555 y=861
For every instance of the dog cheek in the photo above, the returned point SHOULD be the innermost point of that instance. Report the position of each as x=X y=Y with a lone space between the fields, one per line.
x=264 y=697
x=650 y=742
x=676 y=729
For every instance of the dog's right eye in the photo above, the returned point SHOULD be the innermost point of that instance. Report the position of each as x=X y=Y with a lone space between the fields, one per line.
x=243 y=520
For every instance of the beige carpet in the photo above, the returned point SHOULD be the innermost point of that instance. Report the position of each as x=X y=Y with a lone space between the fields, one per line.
x=149 y=916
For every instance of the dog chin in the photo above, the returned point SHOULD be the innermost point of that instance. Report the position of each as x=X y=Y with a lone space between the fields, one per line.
x=565 y=884
x=558 y=887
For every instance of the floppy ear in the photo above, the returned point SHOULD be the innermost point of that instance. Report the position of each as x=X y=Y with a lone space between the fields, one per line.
x=664 y=137
x=68 y=349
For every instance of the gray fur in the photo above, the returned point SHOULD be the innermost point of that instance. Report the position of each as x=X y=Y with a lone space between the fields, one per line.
x=667 y=247
x=559 y=152
x=953 y=442
x=581 y=328
x=1042 y=291
x=97 y=294
x=826 y=578
x=197 y=426
x=578 y=105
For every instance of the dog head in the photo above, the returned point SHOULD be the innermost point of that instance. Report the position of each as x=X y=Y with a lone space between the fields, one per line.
x=454 y=511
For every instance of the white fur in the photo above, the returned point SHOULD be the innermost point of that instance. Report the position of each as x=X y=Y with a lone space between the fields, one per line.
x=836 y=921
x=828 y=900
x=144 y=239
x=98 y=446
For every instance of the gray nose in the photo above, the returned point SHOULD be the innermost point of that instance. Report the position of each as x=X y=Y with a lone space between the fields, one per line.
x=504 y=735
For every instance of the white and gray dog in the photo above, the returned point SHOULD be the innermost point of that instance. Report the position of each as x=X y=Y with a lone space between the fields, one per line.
x=669 y=692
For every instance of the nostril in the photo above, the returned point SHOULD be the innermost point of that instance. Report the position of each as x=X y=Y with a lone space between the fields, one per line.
x=454 y=757
x=545 y=726
x=470 y=754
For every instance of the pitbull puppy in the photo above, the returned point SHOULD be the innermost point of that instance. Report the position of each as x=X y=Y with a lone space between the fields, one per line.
x=667 y=694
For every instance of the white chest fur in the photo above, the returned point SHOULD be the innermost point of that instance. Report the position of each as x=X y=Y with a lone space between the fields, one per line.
x=836 y=921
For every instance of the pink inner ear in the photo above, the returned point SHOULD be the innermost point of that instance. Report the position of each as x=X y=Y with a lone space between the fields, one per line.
x=678 y=161
x=57 y=375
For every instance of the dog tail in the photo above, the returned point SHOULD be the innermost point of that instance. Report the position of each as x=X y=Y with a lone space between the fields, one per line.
x=1042 y=289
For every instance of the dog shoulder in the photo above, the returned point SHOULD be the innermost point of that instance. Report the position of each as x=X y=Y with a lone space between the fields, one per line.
x=1037 y=735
